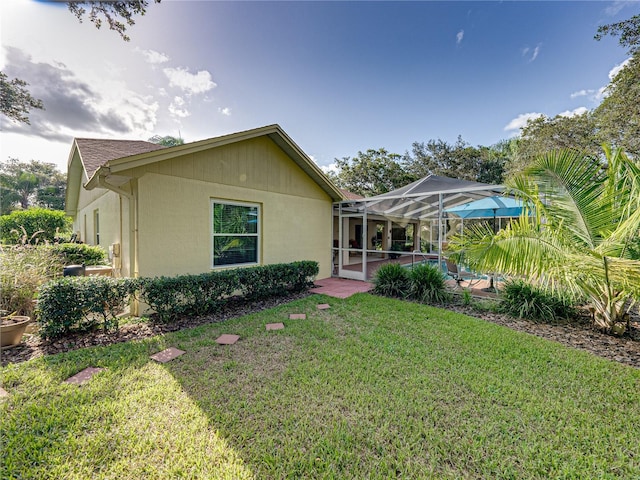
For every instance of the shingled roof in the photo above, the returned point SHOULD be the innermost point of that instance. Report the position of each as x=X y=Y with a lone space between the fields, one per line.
x=96 y=152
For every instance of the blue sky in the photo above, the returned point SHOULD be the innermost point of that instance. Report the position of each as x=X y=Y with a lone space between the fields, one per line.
x=339 y=77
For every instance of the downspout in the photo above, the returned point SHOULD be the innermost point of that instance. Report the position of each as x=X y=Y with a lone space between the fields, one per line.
x=133 y=224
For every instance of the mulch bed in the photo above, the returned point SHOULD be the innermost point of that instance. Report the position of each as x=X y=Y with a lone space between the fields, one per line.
x=625 y=349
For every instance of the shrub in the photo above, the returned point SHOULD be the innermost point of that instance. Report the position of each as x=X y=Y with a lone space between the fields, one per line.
x=391 y=280
x=79 y=254
x=76 y=304
x=427 y=284
x=206 y=293
x=524 y=300
x=23 y=269
x=50 y=223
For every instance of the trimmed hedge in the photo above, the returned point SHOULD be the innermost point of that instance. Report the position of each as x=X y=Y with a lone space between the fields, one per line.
x=72 y=304
x=76 y=304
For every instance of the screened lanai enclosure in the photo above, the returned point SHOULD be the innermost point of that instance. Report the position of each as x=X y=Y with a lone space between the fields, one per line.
x=407 y=225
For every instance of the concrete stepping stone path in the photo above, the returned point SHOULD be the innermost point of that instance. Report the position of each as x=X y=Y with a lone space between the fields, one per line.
x=227 y=339
x=275 y=326
x=3 y=393
x=298 y=316
x=167 y=355
x=83 y=376
x=323 y=306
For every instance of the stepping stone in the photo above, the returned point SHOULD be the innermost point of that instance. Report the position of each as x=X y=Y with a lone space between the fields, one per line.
x=83 y=376
x=323 y=306
x=167 y=355
x=227 y=339
x=298 y=316
x=3 y=393
x=275 y=326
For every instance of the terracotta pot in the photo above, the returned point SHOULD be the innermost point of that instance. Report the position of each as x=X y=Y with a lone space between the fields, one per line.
x=12 y=329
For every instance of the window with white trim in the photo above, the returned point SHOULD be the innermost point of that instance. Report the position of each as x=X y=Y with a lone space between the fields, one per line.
x=236 y=233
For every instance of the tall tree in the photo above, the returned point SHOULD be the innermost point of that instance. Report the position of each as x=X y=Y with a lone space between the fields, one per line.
x=118 y=15
x=544 y=134
x=371 y=173
x=27 y=184
x=167 y=140
x=460 y=160
x=15 y=100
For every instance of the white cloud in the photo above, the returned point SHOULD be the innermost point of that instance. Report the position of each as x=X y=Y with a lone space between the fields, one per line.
x=459 y=37
x=190 y=83
x=618 y=5
x=177 y=108
x=575 y=112
x=531 y=54
x=521 y=121
x=616 y=70
x=331 y=168
x=225 y=111
x=582 y=93
x=153 y=57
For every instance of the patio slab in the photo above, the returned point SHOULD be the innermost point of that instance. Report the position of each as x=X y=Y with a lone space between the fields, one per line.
x=83 y=376
x=167 y=355
x=275 y=326
x=340 y=287
x=298 y=316
x=227 y=339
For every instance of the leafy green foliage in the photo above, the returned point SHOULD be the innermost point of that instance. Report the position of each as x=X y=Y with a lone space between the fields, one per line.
x=79 y=253
x=118 y=14
x=15 y=100
x=33 y=225
x=391 y=280
x=524 y=300
x=29 y=184
x=427 y=284
x=581 y=237
x=77 y=304
x=371 y=173
x=23 y=269
x=172 y=297
x=167 y=140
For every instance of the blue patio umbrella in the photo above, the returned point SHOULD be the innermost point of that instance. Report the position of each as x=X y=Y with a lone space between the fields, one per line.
x=490 y=207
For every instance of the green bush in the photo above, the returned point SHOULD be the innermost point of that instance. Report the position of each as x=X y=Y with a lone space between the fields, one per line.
x=391 y=280
x=427 y=284
x=79 y=254
x=23 y=269
x=50 y=224
x=171 y=297
x=76 y=304
x=524 y=300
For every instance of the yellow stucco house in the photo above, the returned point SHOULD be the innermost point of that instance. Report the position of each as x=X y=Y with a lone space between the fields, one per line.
x=248 y=198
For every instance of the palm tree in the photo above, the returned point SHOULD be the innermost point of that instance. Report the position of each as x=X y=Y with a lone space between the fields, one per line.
x=579 y=234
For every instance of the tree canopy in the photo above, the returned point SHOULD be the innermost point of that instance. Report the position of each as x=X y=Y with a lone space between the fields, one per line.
x=28 y=184
x=15 y=100
x=118 y=15
x=167 y=140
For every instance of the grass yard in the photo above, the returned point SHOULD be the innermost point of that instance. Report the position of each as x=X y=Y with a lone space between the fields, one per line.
x=372 y=388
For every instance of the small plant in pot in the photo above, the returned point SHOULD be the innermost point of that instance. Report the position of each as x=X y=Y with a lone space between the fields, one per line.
x=395 y=247
x=12 y=327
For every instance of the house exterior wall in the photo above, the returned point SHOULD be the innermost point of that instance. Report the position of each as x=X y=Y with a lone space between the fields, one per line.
x=113 y=222
x=174 y=205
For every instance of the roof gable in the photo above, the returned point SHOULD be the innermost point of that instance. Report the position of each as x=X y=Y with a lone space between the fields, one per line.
x=156 y=153
x=95 y=152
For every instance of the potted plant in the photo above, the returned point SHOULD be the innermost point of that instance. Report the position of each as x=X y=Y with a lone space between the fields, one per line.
x=12 y=327
x=395 y=247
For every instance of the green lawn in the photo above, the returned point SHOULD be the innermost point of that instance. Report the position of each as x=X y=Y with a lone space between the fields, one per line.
x=372 y=388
